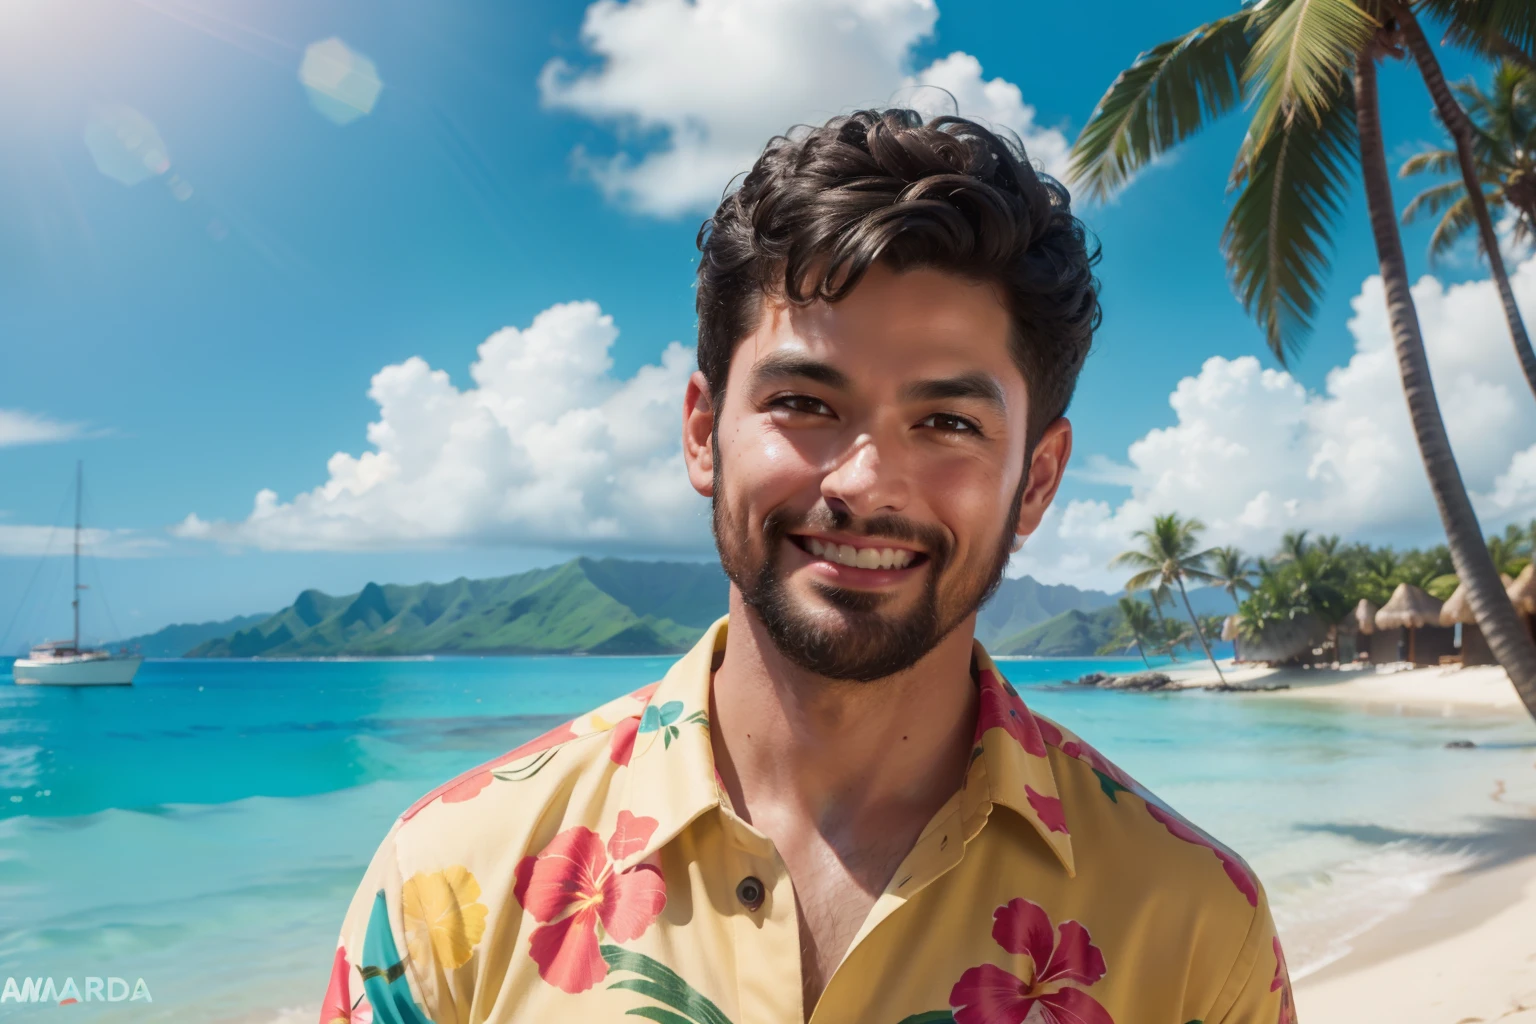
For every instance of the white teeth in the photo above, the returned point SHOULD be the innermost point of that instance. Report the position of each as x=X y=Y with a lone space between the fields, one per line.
x=859 y=558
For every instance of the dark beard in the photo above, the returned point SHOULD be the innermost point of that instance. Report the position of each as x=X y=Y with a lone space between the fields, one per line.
x=866 y=645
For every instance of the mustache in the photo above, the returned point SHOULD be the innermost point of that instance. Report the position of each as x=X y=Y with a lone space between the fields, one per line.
x=933 y=540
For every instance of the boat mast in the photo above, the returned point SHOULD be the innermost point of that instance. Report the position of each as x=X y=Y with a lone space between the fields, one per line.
x=78 y=484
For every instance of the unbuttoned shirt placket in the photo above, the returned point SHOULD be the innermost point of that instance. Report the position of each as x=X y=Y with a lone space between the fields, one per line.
x=767 y=936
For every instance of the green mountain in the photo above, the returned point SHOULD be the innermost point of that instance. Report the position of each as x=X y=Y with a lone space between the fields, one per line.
x=1080 y=633
x=587 y=606
x=174 y=641
x=1024 y=602
x=1072 y=634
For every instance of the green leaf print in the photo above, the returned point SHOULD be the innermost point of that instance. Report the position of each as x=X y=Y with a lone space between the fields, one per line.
x=931 y=1017
x=664 y=985
x=383 y=971
x=529 y=770
x=654 y=718
x=1110 y=788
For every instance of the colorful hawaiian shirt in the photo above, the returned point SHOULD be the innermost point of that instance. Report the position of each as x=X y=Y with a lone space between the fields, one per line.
x=599 y=874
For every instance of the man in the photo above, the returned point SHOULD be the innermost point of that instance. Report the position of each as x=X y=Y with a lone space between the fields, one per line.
x=835 y=808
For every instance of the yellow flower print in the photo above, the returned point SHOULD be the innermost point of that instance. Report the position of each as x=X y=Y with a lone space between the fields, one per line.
x=443 y=916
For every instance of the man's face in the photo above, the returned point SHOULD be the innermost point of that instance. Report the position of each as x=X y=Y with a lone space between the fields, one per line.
x=867 y=465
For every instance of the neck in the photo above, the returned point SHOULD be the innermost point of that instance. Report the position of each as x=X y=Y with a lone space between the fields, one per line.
x=838 y=753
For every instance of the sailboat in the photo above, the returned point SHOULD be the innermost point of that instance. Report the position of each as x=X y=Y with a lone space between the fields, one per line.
x=65 y=662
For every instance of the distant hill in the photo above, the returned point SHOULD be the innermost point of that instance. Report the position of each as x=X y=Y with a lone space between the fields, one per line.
x=1024 y=602
x=1072 y=634
x=174 y=641
x=1080 y=634
x=586 y=606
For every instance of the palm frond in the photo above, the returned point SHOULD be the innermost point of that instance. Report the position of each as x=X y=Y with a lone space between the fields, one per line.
x=1300 y=58
x=1144 y=580
x=1432 y=200
x=1167 y=95
x=1458 y=220
x=1483 y=24
x=1434 y=161
x=1291 y=191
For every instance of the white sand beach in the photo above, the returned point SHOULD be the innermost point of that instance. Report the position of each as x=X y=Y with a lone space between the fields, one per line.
x=1444 y=690
x=1465 y=951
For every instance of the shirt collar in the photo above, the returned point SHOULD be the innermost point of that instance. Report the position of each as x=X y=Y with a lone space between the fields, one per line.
x=672 y=779
x=1010 y=762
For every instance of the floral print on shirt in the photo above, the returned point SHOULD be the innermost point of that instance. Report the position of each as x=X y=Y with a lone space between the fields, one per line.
x=570 y=886
x=594 y=874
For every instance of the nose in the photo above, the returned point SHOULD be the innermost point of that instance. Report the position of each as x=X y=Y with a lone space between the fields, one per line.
x=864 y=483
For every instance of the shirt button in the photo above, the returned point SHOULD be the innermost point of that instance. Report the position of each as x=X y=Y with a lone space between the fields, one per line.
x=750 y=892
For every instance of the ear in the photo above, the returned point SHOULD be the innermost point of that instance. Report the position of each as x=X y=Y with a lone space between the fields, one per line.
x=698 y=428
x=1046 y=467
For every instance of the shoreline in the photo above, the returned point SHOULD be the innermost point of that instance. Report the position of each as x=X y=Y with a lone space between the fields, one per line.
x=1465 y=949
x=1446 y=690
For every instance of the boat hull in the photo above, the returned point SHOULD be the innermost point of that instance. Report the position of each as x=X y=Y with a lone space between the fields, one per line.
x=72 y=672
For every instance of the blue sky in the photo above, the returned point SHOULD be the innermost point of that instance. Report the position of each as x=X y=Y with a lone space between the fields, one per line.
x=211 y=331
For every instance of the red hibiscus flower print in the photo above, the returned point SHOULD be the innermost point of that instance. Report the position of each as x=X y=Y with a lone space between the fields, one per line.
x=1065 y=962
x=1048 y=808
x=1283 y=983
x=1234 y=868
x=469 y=785
x=339 y=1007
x=571 y=886
x=621 y=741
x=1000 y=707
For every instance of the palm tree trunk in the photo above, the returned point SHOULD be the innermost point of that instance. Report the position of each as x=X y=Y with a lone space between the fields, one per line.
x=1140 y=649
x=1460 y=126
x=1495 y=614
x=1198 y=631
x=1162 y=623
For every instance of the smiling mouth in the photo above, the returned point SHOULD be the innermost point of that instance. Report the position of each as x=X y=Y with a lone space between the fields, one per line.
x=859 y=557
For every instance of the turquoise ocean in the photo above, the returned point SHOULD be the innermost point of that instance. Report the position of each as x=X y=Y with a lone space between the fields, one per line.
x=204 y=828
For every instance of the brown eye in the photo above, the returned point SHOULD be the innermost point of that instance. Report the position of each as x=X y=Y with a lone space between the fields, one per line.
x=803 y=404
x=950 y=423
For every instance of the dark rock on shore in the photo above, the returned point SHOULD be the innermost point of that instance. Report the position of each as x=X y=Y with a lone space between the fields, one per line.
x=1138 y=681
x=1229 y=688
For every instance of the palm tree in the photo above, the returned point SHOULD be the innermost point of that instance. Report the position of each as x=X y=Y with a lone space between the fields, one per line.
x=1293 y=544
x=1231 y=570
x=1505 y=120
x=1466 y=136
x=1511 y=552
x=1309 y=69
x=1136 y=624
x=1166 y=558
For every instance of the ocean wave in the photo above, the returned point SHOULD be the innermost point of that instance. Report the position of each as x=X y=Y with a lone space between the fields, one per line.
x=1320 y=913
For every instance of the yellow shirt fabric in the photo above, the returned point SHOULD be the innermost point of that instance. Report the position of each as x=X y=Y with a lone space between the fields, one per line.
x=599 y=874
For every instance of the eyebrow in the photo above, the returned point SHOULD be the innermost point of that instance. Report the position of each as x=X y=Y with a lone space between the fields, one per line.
x=780 y=366
x=977 y=385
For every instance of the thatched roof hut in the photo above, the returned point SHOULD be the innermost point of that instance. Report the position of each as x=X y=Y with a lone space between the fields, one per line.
x=1409 y=608
x=1458 y=607
x=1229 y=628
x=1523 y=591
x=1363 y=618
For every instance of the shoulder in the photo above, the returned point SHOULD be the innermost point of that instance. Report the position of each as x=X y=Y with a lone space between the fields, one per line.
x=1120 y=825
x=569 y=765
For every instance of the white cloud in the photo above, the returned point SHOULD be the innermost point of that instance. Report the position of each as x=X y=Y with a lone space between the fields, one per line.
x=1253 y=453
x=18 y=427
x=547 y=448
x=23 y=540
x=695 y=88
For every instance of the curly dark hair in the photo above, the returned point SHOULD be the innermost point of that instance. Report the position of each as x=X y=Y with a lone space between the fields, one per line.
x=822 y=204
